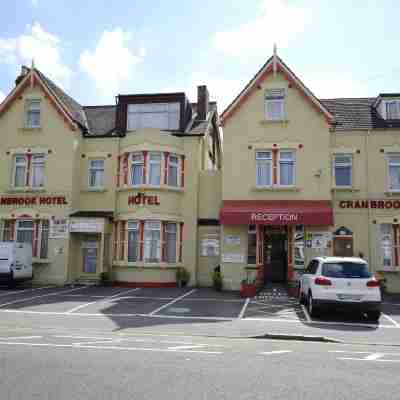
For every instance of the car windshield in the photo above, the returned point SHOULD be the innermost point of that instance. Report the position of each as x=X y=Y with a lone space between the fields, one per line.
x=345 y=270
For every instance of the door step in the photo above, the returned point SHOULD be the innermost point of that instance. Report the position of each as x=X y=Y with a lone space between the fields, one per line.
x=88 y=281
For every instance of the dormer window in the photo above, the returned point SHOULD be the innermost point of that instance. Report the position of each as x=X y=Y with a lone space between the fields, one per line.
x=32 y=114
x=163 y=116
x=392 y=109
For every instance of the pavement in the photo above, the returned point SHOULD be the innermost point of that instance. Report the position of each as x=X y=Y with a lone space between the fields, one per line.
x=187 y=311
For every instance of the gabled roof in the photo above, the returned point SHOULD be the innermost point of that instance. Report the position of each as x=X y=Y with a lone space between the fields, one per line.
x=274 y=62
x=70 y=110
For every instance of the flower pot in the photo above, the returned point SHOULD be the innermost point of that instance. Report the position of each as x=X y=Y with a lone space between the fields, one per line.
x=248 y=290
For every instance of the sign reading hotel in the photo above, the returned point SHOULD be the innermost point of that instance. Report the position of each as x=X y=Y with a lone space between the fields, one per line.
x=143 y=199
x=33 y=201
x=380 y=204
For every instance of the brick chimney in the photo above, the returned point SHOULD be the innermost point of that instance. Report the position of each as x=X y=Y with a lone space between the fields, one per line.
x=202 y=102
x=24 y=72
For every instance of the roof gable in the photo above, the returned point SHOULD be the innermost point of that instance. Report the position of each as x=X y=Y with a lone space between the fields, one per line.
x=65 y=105
x=273 y=64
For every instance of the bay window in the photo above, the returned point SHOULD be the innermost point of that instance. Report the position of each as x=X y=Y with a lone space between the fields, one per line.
x=343 y=170
x=170 y=242
x=96 y=173
x=152 y=241
x=137 y=169
x=20 y=170
x=133 y=241
x=264 y=168
x=394 y=172
x=173 y=167
x=155 y=169
x=286 y=168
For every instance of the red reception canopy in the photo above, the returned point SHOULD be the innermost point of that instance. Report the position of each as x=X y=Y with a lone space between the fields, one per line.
x=276 y=212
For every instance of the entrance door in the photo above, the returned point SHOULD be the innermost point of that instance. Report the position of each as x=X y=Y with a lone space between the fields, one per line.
x=343 y=246
x=276 y=257
x=90 y=260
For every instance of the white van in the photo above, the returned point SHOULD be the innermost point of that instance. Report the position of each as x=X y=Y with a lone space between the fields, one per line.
x=15 y=262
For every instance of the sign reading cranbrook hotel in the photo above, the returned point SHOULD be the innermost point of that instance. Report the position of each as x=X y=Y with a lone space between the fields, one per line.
x=33 y=200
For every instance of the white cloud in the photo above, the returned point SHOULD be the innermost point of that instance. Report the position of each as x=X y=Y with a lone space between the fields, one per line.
x=277 y=21
x=40 y=45
x=2 y=96
x=111 y=63
x=35 y=3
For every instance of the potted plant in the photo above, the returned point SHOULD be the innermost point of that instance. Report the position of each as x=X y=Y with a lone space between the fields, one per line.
x=182 y=276
x=248 y=287
x=217 y=279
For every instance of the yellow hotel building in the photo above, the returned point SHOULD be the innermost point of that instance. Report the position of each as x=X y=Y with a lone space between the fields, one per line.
x=141 y=188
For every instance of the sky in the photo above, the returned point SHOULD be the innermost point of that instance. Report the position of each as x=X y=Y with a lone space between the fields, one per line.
x=97 y=49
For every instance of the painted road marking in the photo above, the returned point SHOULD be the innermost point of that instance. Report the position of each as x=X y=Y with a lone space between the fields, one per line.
x=395 y=323
x=305 y=312
x=157 y=310
x=20 y=337
x=40 y=296
x=369 y=356
x=276 y=352
x=243 y=310
x=105 y=299
x=94 y=347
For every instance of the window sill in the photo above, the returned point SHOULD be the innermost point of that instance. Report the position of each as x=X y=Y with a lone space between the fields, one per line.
x=36 y=260
x=150 y=187
x=26 y=189
x=94 y=190
x=274 y=121
x=141 y=265
x=276 y=189
x=344 y=189
x=392 y=193
x=27 y=129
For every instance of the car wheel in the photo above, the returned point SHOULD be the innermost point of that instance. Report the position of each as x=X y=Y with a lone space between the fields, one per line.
x=302 y=299
x=312 y=310
x=11 y=282
x=374 y=315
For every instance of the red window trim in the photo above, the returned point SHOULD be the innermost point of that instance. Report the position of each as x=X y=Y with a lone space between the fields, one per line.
x=145 y=153
x=166 y=165
x=274 y=166
x=183 y=171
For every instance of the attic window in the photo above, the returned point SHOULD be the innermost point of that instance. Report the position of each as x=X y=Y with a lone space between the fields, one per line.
x=275 y=104
x=32 y=114
x=392 y=109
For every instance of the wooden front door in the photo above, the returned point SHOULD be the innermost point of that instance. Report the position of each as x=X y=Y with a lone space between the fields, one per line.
x=343 y=247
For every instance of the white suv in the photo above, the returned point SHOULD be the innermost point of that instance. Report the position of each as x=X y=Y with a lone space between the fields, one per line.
x=340 y=282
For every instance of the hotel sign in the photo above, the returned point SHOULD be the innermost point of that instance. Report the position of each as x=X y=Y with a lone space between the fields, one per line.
x=33 y=201
x=271 y=218
x=143 y=199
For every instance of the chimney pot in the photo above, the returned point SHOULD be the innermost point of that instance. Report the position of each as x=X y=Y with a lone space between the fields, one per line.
x=202 y=102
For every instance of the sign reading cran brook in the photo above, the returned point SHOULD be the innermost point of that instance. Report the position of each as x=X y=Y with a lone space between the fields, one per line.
x=33 y=201
x=381 y=204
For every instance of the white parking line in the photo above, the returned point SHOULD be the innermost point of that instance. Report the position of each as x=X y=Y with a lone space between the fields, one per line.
x=395 y=323
x=105 y=299
x=276 y=352
x=305 y=312
x=41 y=296
x=157 y=310
x=243 y=310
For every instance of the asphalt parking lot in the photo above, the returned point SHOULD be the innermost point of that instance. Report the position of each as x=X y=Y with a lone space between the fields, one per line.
x=176 y=303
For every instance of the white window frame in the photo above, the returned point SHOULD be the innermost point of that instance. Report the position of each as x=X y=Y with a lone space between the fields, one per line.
x=37 y=160
x=262 y=161
x=170 y=111
x=133 y=225
x=281 y=161
x=175 y=165
x=396 y=104
x=394 y=164
x=30 y=108
x=151 y=162
x=133 y=162
x=343 y=164
x=274 y=97
x=20 y=164
x=151 y=225
x=167 y=232
x=18 y=229
x=251 y=231
x=95 y=169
